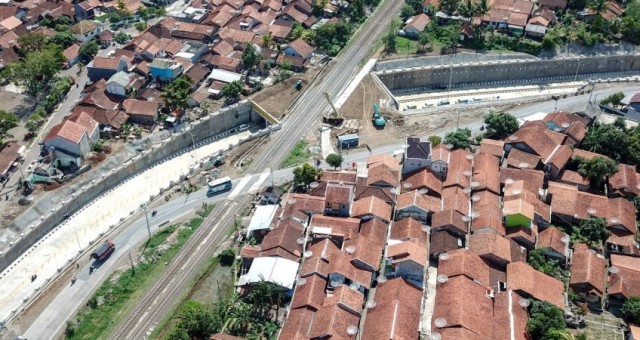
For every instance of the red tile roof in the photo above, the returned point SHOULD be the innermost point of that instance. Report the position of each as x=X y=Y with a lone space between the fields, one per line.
x=495 y=247
x=459 y=162
x=396 y=314
x=345 y=176
x=323 y=249
x=371 y=206
x=486 y=173
x=302 y=48
x=463 y=303
x=68 y=130
x=310 y=294
x=416 y=199
x=140 y=107
x=522 y=160
x=349 y=299
x=425 y=179
x=552 y=238
x=448 y=218
x=382 y=174
x=298 y=324
x=340 y=263
x=454 y=198
x=339 y=193
x=488 y=213
x=492 y=147
x=626 y=281
x=407 y=229
x=332 y=321
x=585 y=154
x=625 y=180
x=573 y=177
x=419 y=22
x=522 y=277
x=464 y=262
x=410 y=250
x=509 y=318
x=533 y=179
x=587 y=269
x=340 y=226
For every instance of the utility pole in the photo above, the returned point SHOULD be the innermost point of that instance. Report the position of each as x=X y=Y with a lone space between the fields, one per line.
x=271 y=175
x=133 y=268
x=458 y=120
x=146 y=217
x=577 y=68
x=450 y=76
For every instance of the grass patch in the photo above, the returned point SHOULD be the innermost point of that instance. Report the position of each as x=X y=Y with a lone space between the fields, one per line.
x=406 y=46
x=116 y=297
x=299 y=154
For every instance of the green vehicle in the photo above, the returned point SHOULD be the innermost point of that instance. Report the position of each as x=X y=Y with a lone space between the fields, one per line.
x=298 y=85
x=378 y=119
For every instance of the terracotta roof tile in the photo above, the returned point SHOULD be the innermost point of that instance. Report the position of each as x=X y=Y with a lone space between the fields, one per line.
x=332 y=322
x=140 y=107
x=384 y=158
x=509 y=318
x=442 y=242
x=407 y=229
x=345 y=176
x=396 y=314
x=488 y=213
x=67 y=130
x=298 y=324
x=450 y=219
x=492 y=147
x=322 y=249
x=410 y=250
x=340 y=263
x=463 y=303
x=382 y=174
x=459 y=162
x=340 y=226
x=371 y=206
x=454 y=198
x=585 y=154
x=440 y=153
x=419 y=22
x=308 y=204
x=425 y=179
x=310 y=294
x=533 y=179
x=587 y=269
x=467 y=263
x=523 y=278
x=314 y=266
x=495 y=247
x=625 y=180
x=520 y=159
x=414 y=198
x=486 y=172
x=552 y=238
x=349 y=299
x=573 y=177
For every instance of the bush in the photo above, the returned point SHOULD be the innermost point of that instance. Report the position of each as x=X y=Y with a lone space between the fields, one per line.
x=98 y=146
x=545 y=318
x=227 y=257
x=631 y=310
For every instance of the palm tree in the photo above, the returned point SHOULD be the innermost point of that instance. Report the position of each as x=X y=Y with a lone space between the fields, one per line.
x=266 y=40
x=598 y=6
x=467 y=9
x=482 y=8
x=176 y=94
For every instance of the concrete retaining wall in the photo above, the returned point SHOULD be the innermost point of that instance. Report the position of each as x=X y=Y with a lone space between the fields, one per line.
x=505 y=70
x=202 y=130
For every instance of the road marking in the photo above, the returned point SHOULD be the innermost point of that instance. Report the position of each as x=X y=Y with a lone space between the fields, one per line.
x=256 y=186
x=240 y=186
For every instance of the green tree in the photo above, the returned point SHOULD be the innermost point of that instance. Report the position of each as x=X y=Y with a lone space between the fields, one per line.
x=613 y=100
x=435 y=140
x=631 y=310
x=482 y=8
x=34 y=122
x=598 y=6
x=544 y=318
x=415 y=4
x=264 y=295
x=88 y=50
x=304 y=175
x=98 y=146
x=35 y=70
x=541 y=263
x=423 y=40
x=266 y=40
x=459 y=139
x=197 y=319
x=559 y=334
x=140 y=26
x=500 y=124
x=406 y=12
x=467 y=9
x=176 y=94
x=64 y=39
x=592 y=231
x=232 y=90
x=449 y=6
x=250 y=57
x=179 y=333
x=449 y=36
x=121 y=37
x=596 y=169
x=227 y=257
x=335 y=160
x=390 y=39
x=31 y=42
x=606 y=139
x=8 y=121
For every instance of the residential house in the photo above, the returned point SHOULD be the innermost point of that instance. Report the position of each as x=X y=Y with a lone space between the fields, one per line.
x=486 y=173
x=407 y=260
x=224 y=77
x=383 y=171
x=270 y=195
x=226 y=63
x=523 y=160
x=280 y=31
x=141 y=111
x=443 y=241
x=459 y=169
x=86 y=30
x=424 y=180
x=87 y=9
x=110 y=121
x=624 y=182
x=370 y=207
x=574 y=178
x=71 y=55
x=554 y=244
x=105 y=67
x=463 y=262
x=553 y=4
x=165 y=70
x=528 y=282
x=122 y=84
x=496 y=248
x=197 y=73
x=396 y=312
x=625 y=244
x=416 y=205
x=492 y=147
x=430 y=6
x=624 y=279
x=449 y=220
x=588 y=274
x=74 y=136
x=106 y=38
x=536 y=27
x=416 y=25
x=407 y=229
x=417 y=155
x=440 y=157
x=338 y=199
x=299 y=48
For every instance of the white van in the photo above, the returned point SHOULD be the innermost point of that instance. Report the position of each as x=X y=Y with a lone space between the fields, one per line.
x=243 y=127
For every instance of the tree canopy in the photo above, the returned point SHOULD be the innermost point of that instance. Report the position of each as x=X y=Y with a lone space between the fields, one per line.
x=596 y=169
x=250 y=56
x=232 y=90
x=8 y=121
x=176 y=94
x=544 y=319
x=335 y=160
x=608 y=140
x=459 y=139
x=88 y=50
x=500 y=124
x=631 y=310
x=539 y=261
x=332 y=37
x=304 y=175
x=121 y=37
x=64 y=39
x=32 y=42
x=34 y=71
x=435 y=140
x=614 y=99
x=592 y=231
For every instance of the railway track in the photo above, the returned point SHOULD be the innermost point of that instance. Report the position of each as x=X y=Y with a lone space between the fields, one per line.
x=200 y=246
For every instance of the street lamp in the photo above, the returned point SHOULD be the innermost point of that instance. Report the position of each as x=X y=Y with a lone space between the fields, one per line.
x=146 y=217
x=193 y=145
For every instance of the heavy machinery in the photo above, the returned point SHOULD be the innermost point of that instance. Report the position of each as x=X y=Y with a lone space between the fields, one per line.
x=378 y=119
x=335 y=118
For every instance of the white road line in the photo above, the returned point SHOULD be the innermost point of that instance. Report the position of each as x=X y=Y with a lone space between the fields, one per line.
x=240 y=186
x=256 y=186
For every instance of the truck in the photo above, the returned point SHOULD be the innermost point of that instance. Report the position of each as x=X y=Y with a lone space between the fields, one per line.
x=103 y=251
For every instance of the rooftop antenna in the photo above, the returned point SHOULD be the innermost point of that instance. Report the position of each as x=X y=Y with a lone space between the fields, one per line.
x=443 y=256
x=351 y=249
x=441 y=322
x=613 y=269
x=301 y=281
x=381 y=279
x=352 y=330
x=524 y=303
x=442 y=278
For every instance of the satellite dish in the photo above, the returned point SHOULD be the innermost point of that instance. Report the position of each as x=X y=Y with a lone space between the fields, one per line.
x=441 y=322
x=475 y=184
x=381 y=279
x=466 y=190
x=394 y=191
x=524 y=303
x=407 y=185
x=565 y=125
x=426 y=228
x=352 y=330
x=334 y=283
x=435 y=336
x=308 y=253
x=370 y=304
x=301 y=281
x=513 y=137
x=442 y=278
x=467 y=173
x=613 y=269
x=354 y=286
x=469 y=156
x=465 y=218
x=508 y=181
x=443 y=256
x=351 y=249
x=557 y=129
x=591 y=211
x=314 y=185
x=423 y=191
x=448 y=146
x=300 y=240
x=292 y=201
x=475 y=198
x=523 y=165
x=614 y=220
x=565 y=239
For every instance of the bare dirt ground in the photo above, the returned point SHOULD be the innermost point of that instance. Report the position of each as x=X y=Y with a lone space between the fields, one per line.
x=13 y=102
x=277 y=98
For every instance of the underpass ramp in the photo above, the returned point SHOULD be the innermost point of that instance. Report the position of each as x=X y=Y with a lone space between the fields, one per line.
x=266 y=115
